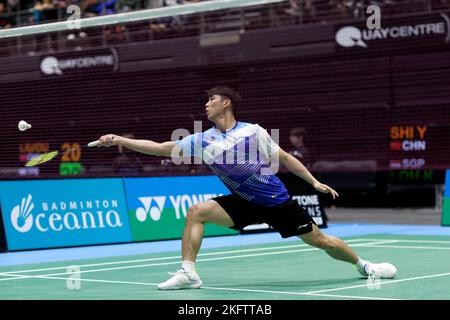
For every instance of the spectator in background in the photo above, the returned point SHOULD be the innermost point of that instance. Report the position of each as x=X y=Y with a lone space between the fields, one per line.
x=175 y=22
x=121 y=32
x=44 y=11
x=127 y=163
x=103 y=7
x=296 y=7
x=107 y=7
x=37 y=11
x=152 y=4
x=91 y=8
x=63 y=4
x=349 y=8
x=344 y=8
x=170 y=3
x=127 y=5
x=298 y=149
x=5 y=20
x=13 y=5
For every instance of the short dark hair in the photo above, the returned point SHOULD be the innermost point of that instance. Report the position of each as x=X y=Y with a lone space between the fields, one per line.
x=231 y=94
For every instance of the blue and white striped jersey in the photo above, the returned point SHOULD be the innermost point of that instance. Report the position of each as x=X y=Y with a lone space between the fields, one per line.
x=242 y=159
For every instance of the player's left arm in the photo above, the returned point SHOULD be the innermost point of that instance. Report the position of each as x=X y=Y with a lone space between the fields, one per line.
x=296 y=167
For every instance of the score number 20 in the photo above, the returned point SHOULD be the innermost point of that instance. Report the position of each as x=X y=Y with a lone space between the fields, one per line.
x=70 y=159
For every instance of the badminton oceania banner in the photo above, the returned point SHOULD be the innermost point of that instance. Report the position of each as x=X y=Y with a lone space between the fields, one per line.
x=61 y=213
x=158 y=206
x=446 y=205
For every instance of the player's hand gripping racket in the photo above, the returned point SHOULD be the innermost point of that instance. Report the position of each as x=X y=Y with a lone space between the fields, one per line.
x=50 y=155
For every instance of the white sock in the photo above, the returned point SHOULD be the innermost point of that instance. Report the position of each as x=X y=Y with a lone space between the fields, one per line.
x=360 y=265
x=188 y=266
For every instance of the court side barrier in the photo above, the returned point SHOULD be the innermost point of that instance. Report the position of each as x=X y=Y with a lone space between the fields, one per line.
x=40 y=214
x=157 y=207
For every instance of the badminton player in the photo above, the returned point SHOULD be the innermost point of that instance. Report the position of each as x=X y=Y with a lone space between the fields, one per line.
x=257 y=195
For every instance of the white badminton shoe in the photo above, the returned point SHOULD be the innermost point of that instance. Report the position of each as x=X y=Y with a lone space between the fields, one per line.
x=181 y=279
x=379 y=270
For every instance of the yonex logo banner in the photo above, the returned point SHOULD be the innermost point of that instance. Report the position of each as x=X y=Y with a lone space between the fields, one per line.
x=59 y=213
x=158 y=206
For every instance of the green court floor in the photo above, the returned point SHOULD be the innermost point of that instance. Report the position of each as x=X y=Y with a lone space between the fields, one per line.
x=276 y=271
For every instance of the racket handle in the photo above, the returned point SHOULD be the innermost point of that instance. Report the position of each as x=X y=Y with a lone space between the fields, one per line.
x=93 y=143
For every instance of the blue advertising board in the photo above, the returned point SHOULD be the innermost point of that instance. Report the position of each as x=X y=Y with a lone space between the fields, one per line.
x=60 y=213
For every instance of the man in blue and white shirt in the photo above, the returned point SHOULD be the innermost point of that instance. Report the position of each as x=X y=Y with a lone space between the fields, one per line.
x=246 y=159
x=240 y=157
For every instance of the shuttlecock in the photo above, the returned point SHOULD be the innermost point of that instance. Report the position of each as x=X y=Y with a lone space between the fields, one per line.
x=23 y=125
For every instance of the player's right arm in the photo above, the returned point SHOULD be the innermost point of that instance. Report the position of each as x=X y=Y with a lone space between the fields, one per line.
x=143 y=146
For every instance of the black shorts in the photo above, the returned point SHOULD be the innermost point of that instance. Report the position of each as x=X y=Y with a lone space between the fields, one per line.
x=288 y=218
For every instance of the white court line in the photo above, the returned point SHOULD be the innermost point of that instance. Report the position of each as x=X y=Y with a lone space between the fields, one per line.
x=164 y=263
x=425 y=241
x=172 y=257
x=221 y=289
x=382 y=283
x=409 y=247
x=217 y=253
x=10 y=275
x=296 y=293
x=416 y=241
x=177 y=262
x=320 y=292
x=353 y=297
